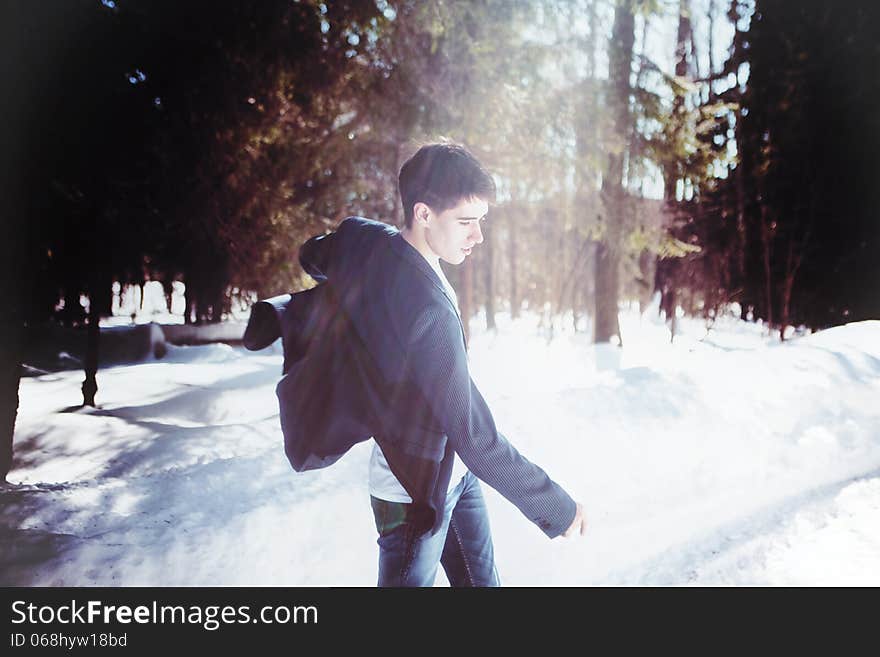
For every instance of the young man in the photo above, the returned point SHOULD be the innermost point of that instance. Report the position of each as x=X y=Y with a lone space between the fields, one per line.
x=385 y=357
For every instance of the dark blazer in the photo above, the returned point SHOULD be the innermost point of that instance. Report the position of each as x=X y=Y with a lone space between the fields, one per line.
x=377 y=349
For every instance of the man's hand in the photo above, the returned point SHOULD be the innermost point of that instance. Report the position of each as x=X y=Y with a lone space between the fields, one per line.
x=579 y=523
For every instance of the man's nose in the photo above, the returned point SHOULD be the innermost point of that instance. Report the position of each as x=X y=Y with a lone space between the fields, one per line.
x=479 y=238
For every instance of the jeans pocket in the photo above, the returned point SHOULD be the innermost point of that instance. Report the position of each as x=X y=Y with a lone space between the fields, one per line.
x=389 y=515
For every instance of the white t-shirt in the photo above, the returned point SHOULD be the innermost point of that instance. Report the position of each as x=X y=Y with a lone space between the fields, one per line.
x=383 y=483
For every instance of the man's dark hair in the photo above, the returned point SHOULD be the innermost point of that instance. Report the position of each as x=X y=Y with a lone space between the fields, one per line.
x=440 y=175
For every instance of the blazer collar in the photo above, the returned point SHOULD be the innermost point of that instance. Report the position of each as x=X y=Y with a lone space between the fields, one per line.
x=409 y=253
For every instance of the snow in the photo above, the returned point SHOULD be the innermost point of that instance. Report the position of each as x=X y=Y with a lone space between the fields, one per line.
x=722 y=458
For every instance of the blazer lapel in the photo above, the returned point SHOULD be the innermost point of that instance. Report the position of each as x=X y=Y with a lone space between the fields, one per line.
x=406 y=251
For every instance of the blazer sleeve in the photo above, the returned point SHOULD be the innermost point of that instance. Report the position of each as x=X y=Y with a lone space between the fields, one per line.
x=319 y=254
x=438 y=362
x=264 y=323
x=316 y=254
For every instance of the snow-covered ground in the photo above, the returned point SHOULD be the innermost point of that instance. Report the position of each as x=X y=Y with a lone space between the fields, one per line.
x=723 y=458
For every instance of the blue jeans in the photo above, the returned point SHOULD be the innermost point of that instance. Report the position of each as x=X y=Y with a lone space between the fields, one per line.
x=463 y=544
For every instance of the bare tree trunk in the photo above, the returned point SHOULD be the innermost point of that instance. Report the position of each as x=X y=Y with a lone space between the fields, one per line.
x=671 y=271
x=513 y=220
x=785 y=301
x=488 y=263
x=567 y=253
x=201 y=305
x=10 y=377
x=90 y=384
x=466 y=298
x=646 y=276
x=547 y=218
x=11 y=331
x=792 y=264
x=218 y=304
x=766 y=248
x=742 y=168
x=15 y=184
x=168 y=289
x=608 y=253
x=577 y=281
x=99 y=302
x=189 y=298
x=588 y=183
x=607 y=285
x=742 y=242
x=570 y=279
x=188 y=307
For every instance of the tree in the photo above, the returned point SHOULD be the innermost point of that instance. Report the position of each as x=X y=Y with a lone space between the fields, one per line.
x=611 y=243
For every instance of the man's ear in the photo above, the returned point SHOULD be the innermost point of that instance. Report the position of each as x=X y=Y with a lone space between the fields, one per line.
x=421 y=212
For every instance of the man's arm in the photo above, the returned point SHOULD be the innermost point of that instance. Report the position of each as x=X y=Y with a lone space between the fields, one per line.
x=438 y=362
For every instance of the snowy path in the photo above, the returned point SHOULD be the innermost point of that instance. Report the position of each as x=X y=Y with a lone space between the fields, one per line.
x=822 y=537
x=727 y=460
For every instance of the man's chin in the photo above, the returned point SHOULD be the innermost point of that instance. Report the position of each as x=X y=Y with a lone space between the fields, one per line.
x=455 y=261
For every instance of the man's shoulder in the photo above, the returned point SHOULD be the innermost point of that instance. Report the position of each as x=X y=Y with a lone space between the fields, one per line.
x=417 y=299
x=362 y=224
x=435 y=309
x=360 y=239
x=407 y=278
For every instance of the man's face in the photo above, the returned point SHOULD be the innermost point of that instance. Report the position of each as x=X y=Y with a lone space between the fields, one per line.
x=453 y=233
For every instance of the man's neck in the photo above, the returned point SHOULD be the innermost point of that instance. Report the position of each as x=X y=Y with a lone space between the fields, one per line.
x=416 y=239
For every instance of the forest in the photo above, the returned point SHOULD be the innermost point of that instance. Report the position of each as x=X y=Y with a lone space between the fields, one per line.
x=719 y=153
